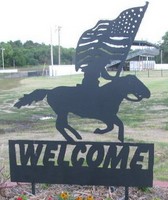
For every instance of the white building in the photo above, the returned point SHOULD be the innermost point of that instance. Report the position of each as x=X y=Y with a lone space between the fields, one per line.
x=59 y=70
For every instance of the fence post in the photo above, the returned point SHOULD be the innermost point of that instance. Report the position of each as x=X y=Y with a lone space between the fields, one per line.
x=161 y=73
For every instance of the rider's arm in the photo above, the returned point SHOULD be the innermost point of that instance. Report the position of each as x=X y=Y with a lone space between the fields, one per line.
x=106 y=75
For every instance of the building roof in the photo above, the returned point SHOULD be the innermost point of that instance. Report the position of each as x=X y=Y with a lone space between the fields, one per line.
x=144 y=43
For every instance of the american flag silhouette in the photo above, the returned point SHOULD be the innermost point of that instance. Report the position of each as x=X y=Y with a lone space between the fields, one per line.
x=109 y=40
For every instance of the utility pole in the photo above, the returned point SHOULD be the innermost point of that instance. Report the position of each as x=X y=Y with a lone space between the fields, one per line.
x=51 y=47
x=161 y=56
x=59 y=48
x=2 y=49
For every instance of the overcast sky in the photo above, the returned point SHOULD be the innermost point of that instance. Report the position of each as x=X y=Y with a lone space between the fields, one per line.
x=32 y=19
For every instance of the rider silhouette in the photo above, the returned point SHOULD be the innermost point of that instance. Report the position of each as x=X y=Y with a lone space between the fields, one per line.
x=108 y=41
x=92 y=74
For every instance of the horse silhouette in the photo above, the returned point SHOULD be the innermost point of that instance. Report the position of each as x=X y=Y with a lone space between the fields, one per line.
x=101 y=103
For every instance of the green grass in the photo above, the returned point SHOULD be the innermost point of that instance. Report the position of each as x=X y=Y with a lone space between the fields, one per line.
x=145 y=121
x=161 y=161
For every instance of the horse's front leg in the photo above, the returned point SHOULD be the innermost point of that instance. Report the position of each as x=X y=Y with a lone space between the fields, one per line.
x=120 y=125
x=109 y=127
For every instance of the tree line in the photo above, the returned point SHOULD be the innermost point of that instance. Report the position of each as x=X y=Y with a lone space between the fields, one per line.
x=18 y=54
x=164 y=49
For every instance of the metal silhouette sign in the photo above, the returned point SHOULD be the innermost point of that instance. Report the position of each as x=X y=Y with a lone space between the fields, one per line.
x=90 y=163
x=109 y=41
x=102 y=103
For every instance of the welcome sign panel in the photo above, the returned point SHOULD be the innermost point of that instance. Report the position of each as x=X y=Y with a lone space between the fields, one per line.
x=83 y=163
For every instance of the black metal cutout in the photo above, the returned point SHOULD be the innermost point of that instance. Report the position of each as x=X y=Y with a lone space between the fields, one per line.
x=95 y=49
x=106 y=43
x=102 y=103
x=82 y=163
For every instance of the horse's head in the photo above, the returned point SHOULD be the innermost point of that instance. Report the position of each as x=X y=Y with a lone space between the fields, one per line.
x=136 y=88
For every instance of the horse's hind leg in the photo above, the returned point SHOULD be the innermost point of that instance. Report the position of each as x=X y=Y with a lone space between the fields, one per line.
x=74 y=132
x=61 y=124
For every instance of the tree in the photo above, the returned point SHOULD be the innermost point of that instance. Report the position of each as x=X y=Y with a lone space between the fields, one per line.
x=8 y=53
x=30 y=53
x=68 y=55
x=18 y=57
x=164 y=48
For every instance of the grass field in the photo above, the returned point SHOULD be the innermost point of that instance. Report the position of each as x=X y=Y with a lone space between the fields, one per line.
x=145 y=121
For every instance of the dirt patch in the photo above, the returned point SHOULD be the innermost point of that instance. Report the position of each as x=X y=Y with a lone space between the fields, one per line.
x=98 y=193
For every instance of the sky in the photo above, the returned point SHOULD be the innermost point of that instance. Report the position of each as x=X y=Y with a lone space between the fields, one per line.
x=34 y=19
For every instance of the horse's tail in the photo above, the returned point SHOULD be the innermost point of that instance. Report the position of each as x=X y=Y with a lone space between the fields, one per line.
x=27 y=99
